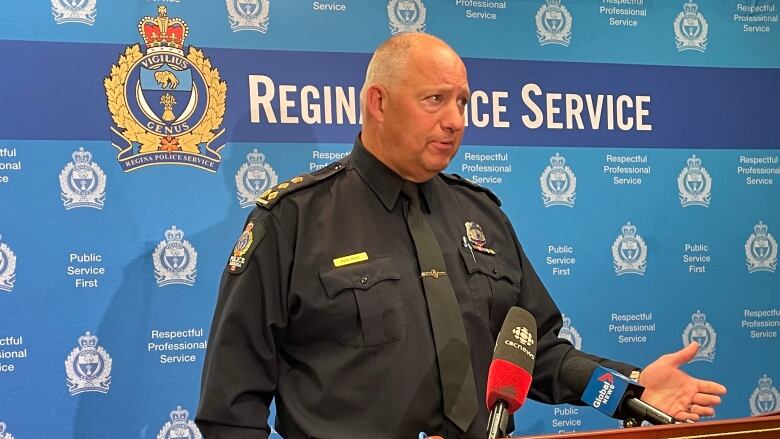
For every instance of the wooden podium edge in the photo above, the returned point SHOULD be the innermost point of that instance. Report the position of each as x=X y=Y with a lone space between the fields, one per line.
x=763 y=427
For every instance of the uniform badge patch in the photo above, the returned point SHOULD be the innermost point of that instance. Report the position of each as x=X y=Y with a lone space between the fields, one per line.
x=477 y=238
x=251 y=236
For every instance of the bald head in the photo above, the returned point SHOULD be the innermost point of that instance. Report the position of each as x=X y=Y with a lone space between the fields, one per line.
x=413 y=104
x=392 y=56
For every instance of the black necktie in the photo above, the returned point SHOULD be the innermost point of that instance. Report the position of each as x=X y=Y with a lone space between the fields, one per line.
x=449 y=335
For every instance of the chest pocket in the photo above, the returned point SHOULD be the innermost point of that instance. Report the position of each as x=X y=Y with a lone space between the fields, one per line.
x=364 y=304
x=493 y=284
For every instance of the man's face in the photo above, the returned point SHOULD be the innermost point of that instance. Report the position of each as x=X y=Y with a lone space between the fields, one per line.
x=424 y=113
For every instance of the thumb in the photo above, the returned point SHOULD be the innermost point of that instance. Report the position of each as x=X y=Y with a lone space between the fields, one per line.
x=684 y=355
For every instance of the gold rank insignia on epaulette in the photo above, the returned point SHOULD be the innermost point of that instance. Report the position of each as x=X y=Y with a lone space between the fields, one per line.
x=268 y=198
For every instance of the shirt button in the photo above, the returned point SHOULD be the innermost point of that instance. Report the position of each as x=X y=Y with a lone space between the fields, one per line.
x=363 y=280
x=493 y=269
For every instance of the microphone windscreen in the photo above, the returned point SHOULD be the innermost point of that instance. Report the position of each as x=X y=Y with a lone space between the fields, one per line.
x=576 y=373
x=507 y=382
x=511 y=371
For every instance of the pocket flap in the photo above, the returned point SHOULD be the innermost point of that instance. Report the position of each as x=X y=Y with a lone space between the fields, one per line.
x=360 y=276
x=490 y=265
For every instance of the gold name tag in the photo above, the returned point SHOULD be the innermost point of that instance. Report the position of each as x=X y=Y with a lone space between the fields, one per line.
x=351 y=259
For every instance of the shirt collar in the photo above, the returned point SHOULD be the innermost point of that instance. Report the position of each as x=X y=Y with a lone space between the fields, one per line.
x=383 y=181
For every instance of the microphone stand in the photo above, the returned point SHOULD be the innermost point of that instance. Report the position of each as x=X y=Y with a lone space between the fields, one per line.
x=497 y=421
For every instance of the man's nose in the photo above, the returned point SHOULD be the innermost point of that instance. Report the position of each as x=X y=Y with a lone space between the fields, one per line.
x=453 y=117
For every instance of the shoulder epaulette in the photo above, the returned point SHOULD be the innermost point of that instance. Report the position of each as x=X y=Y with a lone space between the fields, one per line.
x=274 y=194
x=457 y=179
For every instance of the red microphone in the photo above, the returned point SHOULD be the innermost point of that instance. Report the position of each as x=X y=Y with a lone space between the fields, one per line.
x=511 y=370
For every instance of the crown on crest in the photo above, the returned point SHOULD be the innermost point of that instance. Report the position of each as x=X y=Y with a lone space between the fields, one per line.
x=179 y=415
x=628 y=230
x=698 y=318
x=566 y=322
x=557 y=161
x=174 y=235
x=765 y=382
x=81 y=156
x=694 y=162
x=88 y=341
x=690 y=7
x=162 y=33
x=2 y=428
x=255 y=157
x=554 y=2
x=761 y=229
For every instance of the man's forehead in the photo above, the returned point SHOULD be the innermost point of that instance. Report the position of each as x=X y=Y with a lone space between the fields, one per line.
x=440 y=66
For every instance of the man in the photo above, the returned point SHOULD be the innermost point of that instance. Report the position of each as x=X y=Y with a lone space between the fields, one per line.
x=328 y=304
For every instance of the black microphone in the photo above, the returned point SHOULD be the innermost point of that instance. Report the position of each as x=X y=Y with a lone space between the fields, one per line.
x=510 y=374
x=611 y=393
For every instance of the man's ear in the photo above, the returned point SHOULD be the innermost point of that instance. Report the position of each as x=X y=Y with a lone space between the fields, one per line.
x=376 y=101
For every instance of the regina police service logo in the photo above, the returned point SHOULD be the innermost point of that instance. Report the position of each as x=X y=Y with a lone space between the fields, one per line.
x=570 y=333
x=558 y=182
x=167 y=108
x=764 y=398
x=4 y=434
x=761 y=250
x=174 y=260
x=7 y=267
x=88 y=367
x=248 y=15
x=179 y=427
x=253 y=178
x=406 y=16
x=690 y=28
x=629 y=252
x=694 y=184
x=553 y=24
x=74 y=11
x=702 y=333
x=82 y=182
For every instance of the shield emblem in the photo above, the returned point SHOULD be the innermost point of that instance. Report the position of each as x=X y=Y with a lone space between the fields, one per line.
x=553 y=20
x=175 y=257
x=3 y=262
x=694 y=182
x=166 y=95
x=761 y=248
x=691 y=26
x=248 y=7
x=629 y=250
x=766 y=401
x=89 y=364
x=475 y=234
x=407 y=11
x=701 y=336
x=179 y=433
x=75 y=4
x=82 y=179
x=256 y=180
x=558 y=181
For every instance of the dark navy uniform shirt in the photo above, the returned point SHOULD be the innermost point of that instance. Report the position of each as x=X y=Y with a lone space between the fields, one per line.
x=323 y=309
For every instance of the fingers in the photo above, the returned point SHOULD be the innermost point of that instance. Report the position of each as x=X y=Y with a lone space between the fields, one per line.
x=694 y=413
x=706 y=400
x=684 y=355
x=701 y=410
x=685 y=416
x=711 y=387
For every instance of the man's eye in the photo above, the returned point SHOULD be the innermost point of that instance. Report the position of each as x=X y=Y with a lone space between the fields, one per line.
x=463 y=102
x=435 y=98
